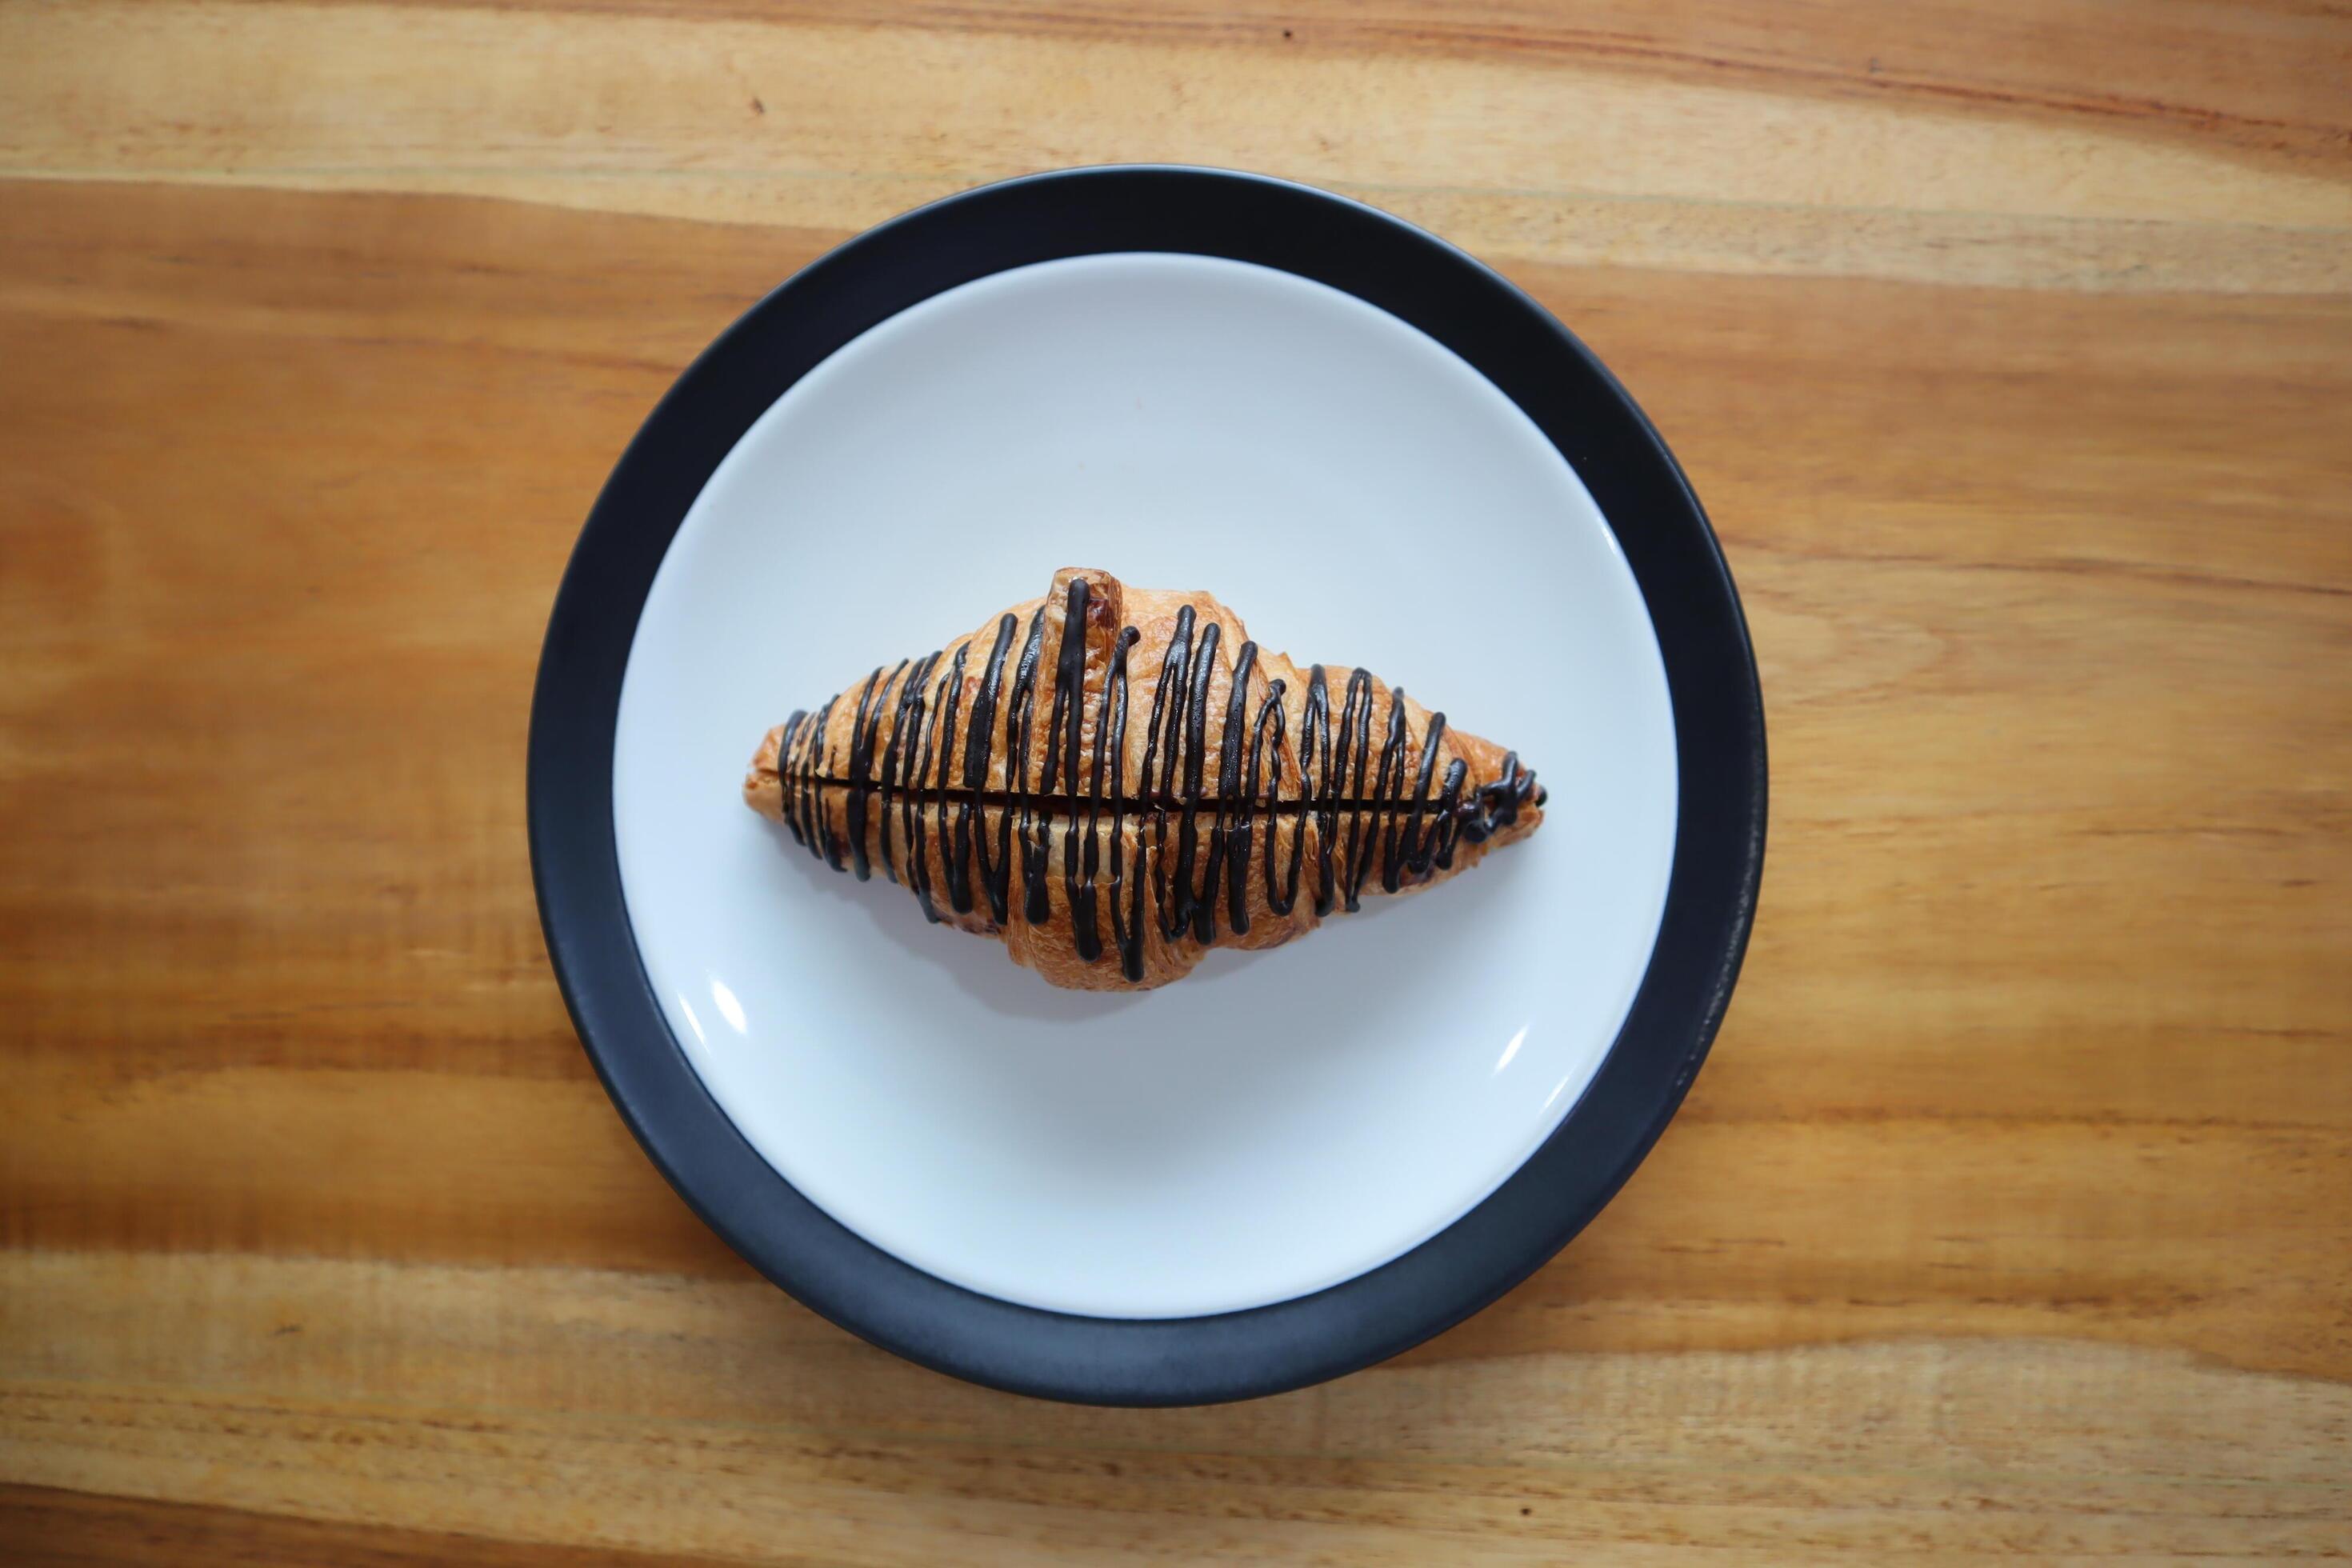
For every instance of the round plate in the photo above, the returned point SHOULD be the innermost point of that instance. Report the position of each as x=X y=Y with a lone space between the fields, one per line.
x=1272 y=1125
x=1293 y=1162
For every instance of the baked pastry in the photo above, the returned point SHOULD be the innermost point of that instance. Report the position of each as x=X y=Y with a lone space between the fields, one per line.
x=1115 y=780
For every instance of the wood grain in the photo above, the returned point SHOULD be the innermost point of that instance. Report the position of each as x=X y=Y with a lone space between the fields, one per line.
x=2011 y=346
x=1515 y=152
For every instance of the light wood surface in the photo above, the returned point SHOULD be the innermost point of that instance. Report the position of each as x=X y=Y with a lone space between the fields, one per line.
x=2009 y=343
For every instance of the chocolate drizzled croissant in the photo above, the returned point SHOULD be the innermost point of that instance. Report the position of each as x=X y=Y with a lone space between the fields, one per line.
x=1115 y=780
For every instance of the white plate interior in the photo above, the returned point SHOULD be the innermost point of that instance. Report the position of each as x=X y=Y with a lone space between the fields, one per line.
x=1279 y=1121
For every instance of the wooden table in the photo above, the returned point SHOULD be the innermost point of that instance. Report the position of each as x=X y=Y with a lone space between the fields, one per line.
x=2009 y=343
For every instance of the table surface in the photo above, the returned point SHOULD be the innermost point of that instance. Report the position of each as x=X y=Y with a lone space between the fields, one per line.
x=2009 y=343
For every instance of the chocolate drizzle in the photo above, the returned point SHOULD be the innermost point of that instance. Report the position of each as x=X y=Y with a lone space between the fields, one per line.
x=975 y=771
x=1359 y=808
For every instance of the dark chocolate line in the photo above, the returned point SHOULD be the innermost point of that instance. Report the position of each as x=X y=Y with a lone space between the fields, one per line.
x=1288 y=806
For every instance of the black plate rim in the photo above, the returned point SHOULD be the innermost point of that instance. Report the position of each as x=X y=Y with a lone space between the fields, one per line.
x=1719 y=736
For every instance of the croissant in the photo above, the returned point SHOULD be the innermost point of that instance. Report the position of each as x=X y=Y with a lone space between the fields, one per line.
x=1115 y=780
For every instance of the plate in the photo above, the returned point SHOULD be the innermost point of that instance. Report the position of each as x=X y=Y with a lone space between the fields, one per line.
x=1293 y=1162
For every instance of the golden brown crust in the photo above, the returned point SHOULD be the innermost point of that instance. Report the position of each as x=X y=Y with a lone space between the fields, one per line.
x=1173 y=824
